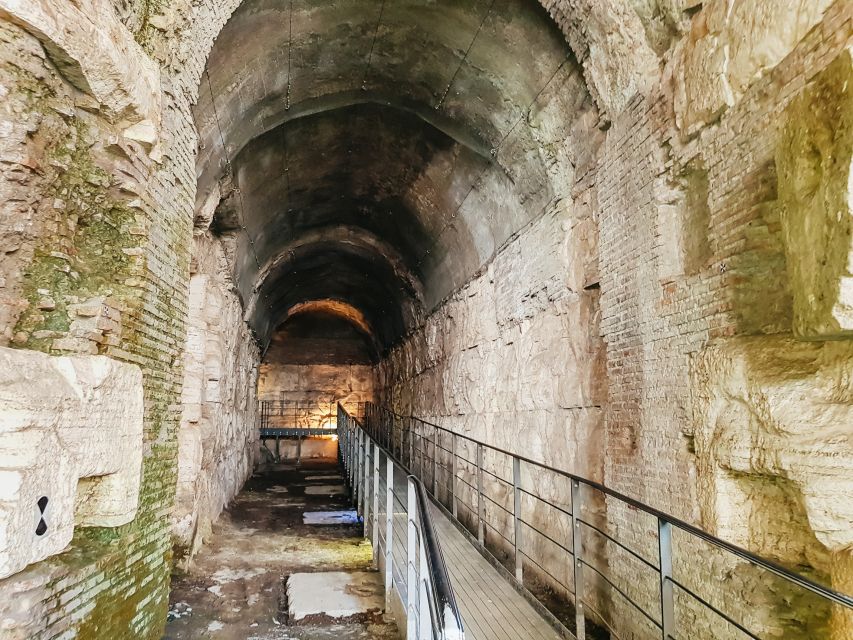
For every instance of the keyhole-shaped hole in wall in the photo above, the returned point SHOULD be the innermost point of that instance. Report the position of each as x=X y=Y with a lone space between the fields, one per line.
x=41 y=529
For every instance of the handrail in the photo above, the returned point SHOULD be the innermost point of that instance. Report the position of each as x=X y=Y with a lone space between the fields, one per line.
x=442 y=591
x=401 y=433
x=429 y=589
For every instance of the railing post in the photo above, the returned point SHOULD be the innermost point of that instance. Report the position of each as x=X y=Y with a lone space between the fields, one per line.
x=425 y=627
x=397 y=435
x=411 y=464
x=367 y=472
x=355 y=465
x=351 y=450
x=411 y=560
x=667 y=606
x=435 y=461
x=375 y=539
x=389 y=528
x=481 y=507
x=516 y=515
x=577 y=555
x=348 y=449
x=453 y=479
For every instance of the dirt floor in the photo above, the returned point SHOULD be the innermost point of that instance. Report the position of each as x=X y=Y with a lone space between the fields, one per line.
x=235 y=589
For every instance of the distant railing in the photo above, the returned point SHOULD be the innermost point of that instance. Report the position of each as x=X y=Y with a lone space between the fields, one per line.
x=397 y=520
x=286 y=421
x=293 y=414
x=443 y=460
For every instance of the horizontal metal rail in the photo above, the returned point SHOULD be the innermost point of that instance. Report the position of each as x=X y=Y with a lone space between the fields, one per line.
x=432 y=451
x=303 y=414
x=415 y=570
x=296 y=432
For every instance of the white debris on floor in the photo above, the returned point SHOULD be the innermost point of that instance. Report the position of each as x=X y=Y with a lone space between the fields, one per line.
x=334 y=594
x=325 y=477
x=226 y=576
x=330 y=517
x=277 y=489
x=325 y=490
x=179 y=610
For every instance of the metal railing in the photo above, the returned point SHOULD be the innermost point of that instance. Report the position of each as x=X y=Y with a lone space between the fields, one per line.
x=302 y=415
x=495 y=495
x=397 y=521
x=296 y=420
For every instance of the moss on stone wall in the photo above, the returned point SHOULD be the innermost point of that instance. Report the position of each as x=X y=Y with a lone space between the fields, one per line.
x=86 y=253
x=89 y=240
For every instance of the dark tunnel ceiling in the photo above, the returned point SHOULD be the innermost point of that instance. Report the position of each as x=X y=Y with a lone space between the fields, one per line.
x=383 y=151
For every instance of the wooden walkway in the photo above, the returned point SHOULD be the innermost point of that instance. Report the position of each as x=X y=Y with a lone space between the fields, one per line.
x=491 y=608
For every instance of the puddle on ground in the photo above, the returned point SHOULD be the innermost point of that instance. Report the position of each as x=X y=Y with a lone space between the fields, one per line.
x=330 y=517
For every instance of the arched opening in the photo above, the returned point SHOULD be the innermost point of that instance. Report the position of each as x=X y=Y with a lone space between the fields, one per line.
x=572 y=231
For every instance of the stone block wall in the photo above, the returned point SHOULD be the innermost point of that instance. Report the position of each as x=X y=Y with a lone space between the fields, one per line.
x=96 y=226
x=713 y=238
x=515 y=357
x=317 y=387
x=96 y=237
x=217 y=441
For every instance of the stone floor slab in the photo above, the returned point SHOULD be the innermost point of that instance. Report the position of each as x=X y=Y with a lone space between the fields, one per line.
x=325 y=490
x=334 y=594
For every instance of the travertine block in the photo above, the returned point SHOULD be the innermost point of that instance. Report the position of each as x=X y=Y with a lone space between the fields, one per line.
x=70 y=450
x=775 y=408
x=100 y=55
x=729 y=46
x=814 y=159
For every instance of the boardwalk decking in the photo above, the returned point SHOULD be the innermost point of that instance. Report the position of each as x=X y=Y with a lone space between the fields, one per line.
x=491 y=608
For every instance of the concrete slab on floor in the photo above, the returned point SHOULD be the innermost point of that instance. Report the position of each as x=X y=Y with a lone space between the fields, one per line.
x=339 y=595
x=325 y=490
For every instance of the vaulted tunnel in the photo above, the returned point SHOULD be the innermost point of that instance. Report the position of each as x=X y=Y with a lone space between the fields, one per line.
x=610 y=237
x=380 y=160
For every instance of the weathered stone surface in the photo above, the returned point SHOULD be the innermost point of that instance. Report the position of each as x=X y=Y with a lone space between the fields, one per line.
x=774 y=444
x=100 y=56
x=729 y=46
x=217 y=442
x=776 y=408
x=814 y=161
x=334 y=594
x=70 y=450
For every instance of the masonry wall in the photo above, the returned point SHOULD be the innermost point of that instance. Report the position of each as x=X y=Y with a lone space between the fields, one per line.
x=695 y=260
x=218 y=437
x=95 y=217
x=515 y=359
x=319 y=386
x=699 y=277
x=89 y=214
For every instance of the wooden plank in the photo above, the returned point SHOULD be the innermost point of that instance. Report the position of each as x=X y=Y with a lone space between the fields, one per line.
x=490 y=607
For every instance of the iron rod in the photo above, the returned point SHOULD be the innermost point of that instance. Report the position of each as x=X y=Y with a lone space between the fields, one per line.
x=481 y=506
x=667 y=605
x=516 y=516
x=577 y=548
